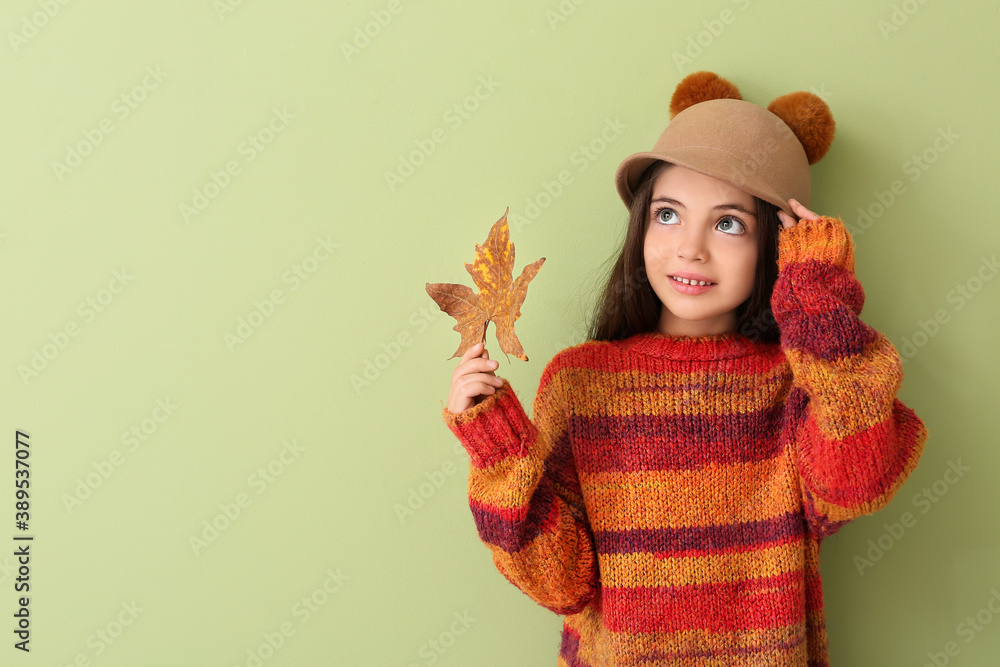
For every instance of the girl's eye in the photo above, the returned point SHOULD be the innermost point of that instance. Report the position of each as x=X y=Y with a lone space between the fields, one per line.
x=659 y=214
x=664 y=215
x=730 y=218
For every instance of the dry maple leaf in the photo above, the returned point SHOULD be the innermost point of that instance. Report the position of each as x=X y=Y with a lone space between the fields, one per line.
x=499 y=299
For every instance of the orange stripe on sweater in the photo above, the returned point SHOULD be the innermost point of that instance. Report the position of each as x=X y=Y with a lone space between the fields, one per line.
x=700 y=497
x=710 y=394
x=831 y=381
x=507 y=484
x=648 y=570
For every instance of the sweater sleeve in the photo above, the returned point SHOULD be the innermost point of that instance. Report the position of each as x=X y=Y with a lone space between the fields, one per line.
x=525 y=494
x=855 y=442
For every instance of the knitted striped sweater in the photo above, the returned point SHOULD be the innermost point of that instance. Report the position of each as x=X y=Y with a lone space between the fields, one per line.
x=670 y=494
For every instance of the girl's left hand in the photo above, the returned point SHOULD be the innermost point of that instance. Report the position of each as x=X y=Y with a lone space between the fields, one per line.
x=800 y=210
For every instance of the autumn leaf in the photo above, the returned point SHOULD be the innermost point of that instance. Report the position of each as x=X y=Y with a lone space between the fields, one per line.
x=499 y=299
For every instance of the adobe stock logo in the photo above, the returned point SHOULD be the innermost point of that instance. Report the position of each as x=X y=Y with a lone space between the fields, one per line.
x=899 y=17
x=264 y=309
x=700 y=43
x=581 y=158
x=363 y=35
x=88 y=309
x=562 y=12
x=303 y=610
x=924 y=500
x=230 y=511
x=429 y=484
x=433 y=649
x=914 y=168
x=104 y=468
x=107 y=634
x=960 y=295
x=455 y=116
x=249 y=149
x=121 y=107
x=31 y=25
x=970 y=627
x=374 y=367
x=225 y=7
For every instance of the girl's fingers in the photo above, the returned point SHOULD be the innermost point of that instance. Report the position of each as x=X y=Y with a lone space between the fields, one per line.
x=471 y=363
x=489 y=364
x=483 y=378
x=473 y=379
x=786 y=220
x=801 y=210
x=473 y=351
x=480 y=384
x=492 y=383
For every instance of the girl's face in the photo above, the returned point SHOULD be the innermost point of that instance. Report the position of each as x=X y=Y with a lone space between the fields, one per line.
x=699 y=225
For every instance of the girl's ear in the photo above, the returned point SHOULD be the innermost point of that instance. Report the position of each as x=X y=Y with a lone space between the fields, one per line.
x=810 y=120
x=701 y=87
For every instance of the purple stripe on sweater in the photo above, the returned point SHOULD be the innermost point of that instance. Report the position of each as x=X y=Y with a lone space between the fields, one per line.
x=701 y=538
x=560 y=466
x=679 y=442
x=820 y=527
x=502 y=527
x=822 y=322
x=737 y=655
x=569 y=647
x=835 y=335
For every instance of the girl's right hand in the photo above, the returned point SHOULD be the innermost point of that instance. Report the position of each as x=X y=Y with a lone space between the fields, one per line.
x=473 y=380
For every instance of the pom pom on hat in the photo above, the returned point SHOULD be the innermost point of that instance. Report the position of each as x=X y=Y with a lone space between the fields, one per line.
x=809 y=118
x=701 y=87
x=714 y=131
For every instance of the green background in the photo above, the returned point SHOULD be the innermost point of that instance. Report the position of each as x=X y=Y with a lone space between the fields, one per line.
x=314 y=198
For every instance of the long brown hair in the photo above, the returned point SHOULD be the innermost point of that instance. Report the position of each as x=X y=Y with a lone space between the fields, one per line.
x=628 y=305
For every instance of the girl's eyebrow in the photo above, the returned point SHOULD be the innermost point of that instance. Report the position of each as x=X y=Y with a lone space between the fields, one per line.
x=737 y=207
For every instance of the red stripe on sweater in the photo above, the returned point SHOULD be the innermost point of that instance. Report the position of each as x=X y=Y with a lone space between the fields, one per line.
x=605 y=357
x=855 y=470
x=767 y=602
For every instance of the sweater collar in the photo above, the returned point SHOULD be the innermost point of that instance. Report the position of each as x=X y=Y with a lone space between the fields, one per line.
x=699 y=348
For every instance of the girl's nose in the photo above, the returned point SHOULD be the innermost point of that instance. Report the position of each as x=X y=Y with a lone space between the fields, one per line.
x=692 y=244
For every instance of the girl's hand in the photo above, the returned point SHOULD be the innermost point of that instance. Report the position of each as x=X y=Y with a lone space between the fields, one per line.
x=799 y=210
x=473 y=380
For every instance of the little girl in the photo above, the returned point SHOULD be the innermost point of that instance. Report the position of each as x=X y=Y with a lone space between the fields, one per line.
x=729 y=410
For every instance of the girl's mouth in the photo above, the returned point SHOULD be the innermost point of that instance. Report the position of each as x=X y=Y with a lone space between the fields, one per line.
x=688 y=281
x=685 y=286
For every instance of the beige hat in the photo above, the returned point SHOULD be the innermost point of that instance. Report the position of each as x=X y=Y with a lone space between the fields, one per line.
x=764 y=152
